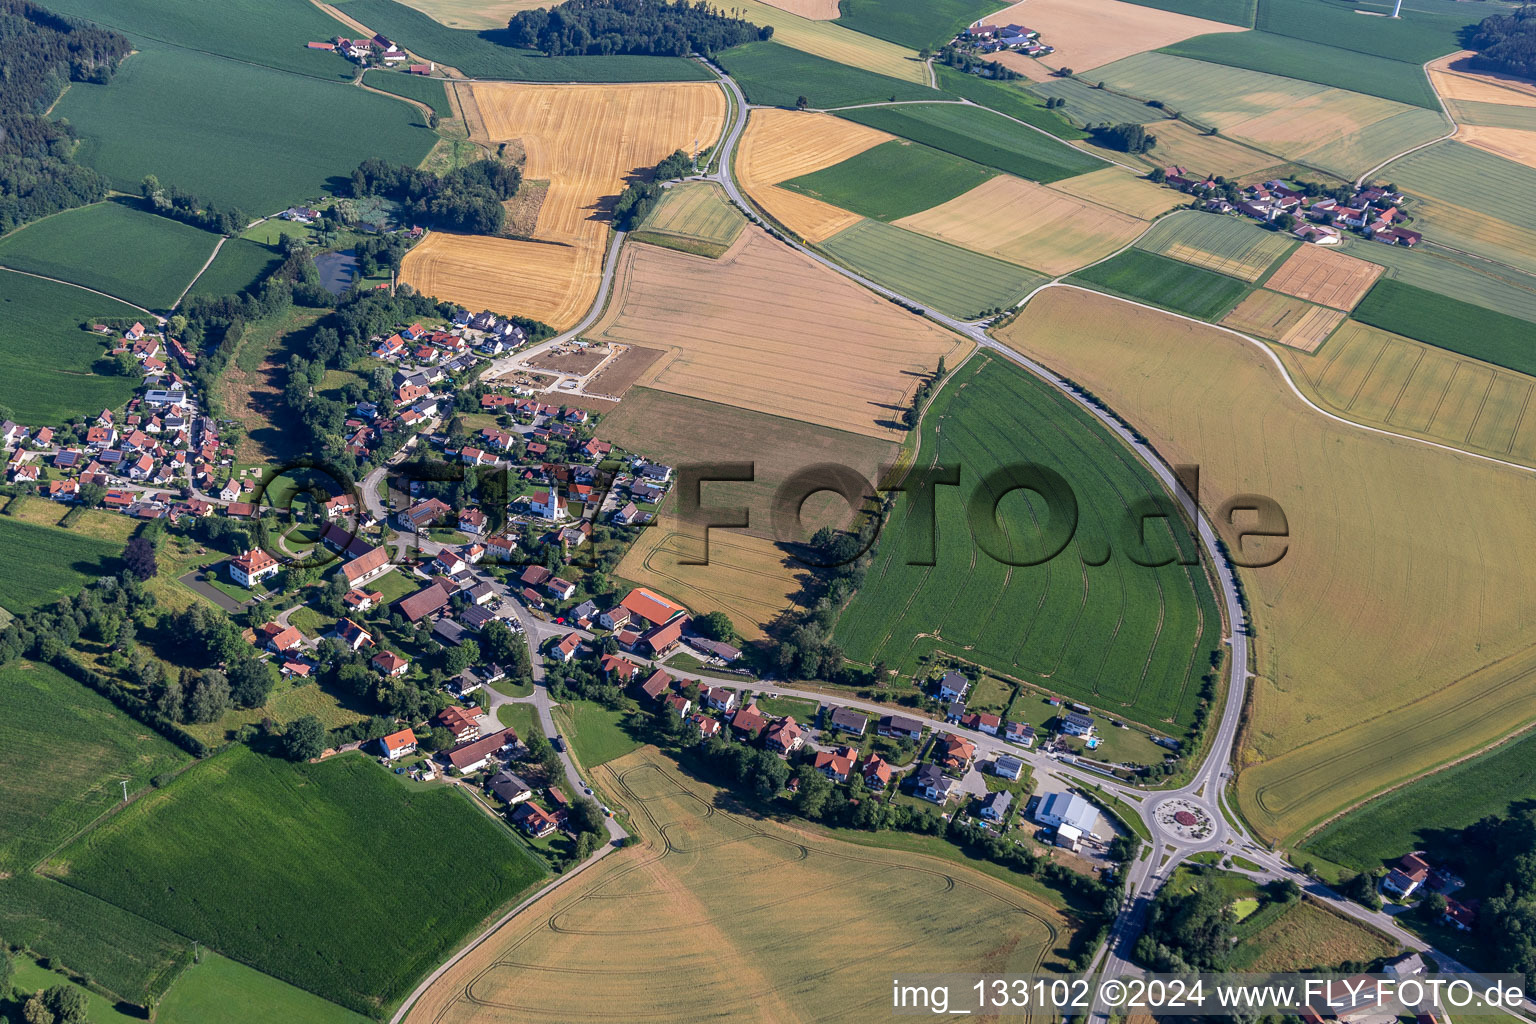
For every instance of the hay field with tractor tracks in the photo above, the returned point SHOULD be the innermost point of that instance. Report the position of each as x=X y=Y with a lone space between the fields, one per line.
x=769 y=329
x=1284 y=319
x=710 y=917
x=1376 y=552
x=587 y=141
x=1324 y=276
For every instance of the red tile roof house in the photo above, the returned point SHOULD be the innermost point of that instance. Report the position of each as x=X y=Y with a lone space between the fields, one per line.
x=353 y=635
x=533 y=819
x=250 y=568
x=656 y=684
x=835 y=766
x=982 y=722
x=785 y=736
x=365 y=567
x=1406 y=878
x=707 y=726
x=663 y=638
x=956 y=751
x=877 y=774
x=428 y=600
x=464 y=723
x=280 y=639
x=566 y=649
x=398 y=744
x=361 y=600
x=390 y=663
x=469 y=757
x=679 y=704
x=749 y=721
x=619 y=667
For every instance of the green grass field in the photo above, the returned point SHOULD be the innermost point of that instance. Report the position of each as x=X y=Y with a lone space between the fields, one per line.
x=1461 y=277
x=1117 y=633
x=914 y=23
x=1416 y=37
x=240 y=264
x=1235 y=246
x=596 y=734
x=522 y=718
x=1472 y=200
x=91 y=747
x=1230 y=12
x=1430 y=813
x=972 y=133
x=270 y=32
x=44 y=564
x=49 y=358
x=1015 y=99
x=955 y=281
x=777 y=76
x=481 y=55
x=1086 y=105
x=30 y=976
x=1313 y=62
x=430 y=91
x=1449 y=323
x=94 y=246
x=220 y=991
x=1169 y=284
x=694 y=217
x=257 y=857
x=234 y=132
x=892 y=180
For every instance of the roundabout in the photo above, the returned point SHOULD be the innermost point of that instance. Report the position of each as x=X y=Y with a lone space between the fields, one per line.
x=1185 y=820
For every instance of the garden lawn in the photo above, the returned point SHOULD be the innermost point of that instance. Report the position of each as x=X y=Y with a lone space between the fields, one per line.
x=235 y=133
x=1314 y=62
x=48 y=357
x=914 y=23
x=430 y=91
x=955 y=281
x=892 y=180
x=481 y=54
x=596 y=734
x=112 y=247
x=981 y=135
x=1160 y=281
x=220 y=991
x=284 y=867
x=1448 y=323
x=240 y=265
x=43 y=564
x=777 y=76
x=1088 y=623
x=803 y=710
x=1430 y=813
x=522 y=718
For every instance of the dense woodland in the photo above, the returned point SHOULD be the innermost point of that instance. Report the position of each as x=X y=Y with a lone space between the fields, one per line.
x=467 y=199
x=1507 y=42
x=41 y=53
x=603 y=27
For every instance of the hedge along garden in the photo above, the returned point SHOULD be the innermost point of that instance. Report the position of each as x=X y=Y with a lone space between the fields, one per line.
x=1117 y=633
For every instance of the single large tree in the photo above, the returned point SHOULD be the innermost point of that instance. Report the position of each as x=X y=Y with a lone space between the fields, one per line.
x=139 y=558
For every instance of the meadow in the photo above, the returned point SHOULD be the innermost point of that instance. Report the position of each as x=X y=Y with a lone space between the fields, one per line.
x=1234 y=246
x=1376 y=554
x=1086 y=105
x=481 y=54
x=1459 y=186
x=892 y=180
x=1307 y=936
x=776 y=75
x=914 y=23
x=218 y=990
x=781 y=144
x=1430 y=813
x=727 y=929
x=1313 y=62
x=1415 y=38
x=70 y=246
x=240 y=264
x=233 y=132
x=597 y=734
x=980 y=135
x=1152 y=628
x=1232 y=12
x=953 y=280
x=1388 y=381
x=769 y=329
x=430 y=91
x=694 y=217
x=268 y=32
x=1015 y=99
x=48 y=377
x=249 y=853
x=43 y=564
x=1449 y=323
x=1144 y=277
x=834 y=41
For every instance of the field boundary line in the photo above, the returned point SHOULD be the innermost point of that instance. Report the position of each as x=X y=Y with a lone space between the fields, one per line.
x=1445 y=112
x=203 y=270
x=93 y=291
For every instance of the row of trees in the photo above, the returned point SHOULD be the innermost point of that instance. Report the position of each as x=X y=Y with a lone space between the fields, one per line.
x=40 y=53
x=178 y=204
x=637 y=201
x=604 y=27
x=465 y=199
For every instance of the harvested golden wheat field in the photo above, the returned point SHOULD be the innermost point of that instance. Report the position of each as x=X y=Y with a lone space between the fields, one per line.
x=715 y=917
x=769 y=329
x=782 y=144
x=475 y=14
x=1284 y=319
x=1390 y=539
x=816 y=10
x=1119 y=189
x=1028 y=224
x=1324 y=276
x=1089 y=33
x=1514 y=144
x=832 y=41
x=1388 y=381
x=585 y=140
x=1454 y=80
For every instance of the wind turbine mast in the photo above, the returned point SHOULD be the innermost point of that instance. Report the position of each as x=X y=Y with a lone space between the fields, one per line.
x=1397 y=9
